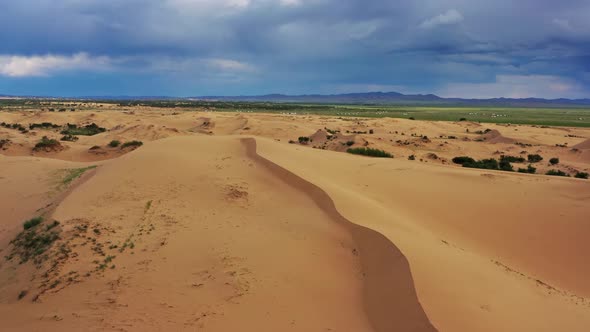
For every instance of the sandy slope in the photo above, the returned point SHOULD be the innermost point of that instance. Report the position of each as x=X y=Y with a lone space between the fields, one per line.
x=215 y=250
x=197 y=230
x=493 y=243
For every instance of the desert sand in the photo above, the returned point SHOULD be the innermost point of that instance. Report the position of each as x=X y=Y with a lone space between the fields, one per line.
x=225 y=222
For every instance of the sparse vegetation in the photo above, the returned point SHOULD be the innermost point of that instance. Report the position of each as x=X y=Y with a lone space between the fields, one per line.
x=88 y=130
x=303 y=140
x=47 y=144
x=534 y=158
x=16 y=126
x=505 y=166
x=33 y=241
x=483 y=164
x=4 y=142
x=556 y=172
x=134 y=144
x=463 y=160
x=69 y=138
x=44 y=125
x=114 y=143
x=370 y=152
x=581 y=175
x=412 y=157
x=512 y=159
x=32 y=222
x=530 y=170
x=72 y=174
x=22 y=294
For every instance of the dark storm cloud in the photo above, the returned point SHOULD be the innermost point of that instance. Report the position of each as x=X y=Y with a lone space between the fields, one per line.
x=257 y=46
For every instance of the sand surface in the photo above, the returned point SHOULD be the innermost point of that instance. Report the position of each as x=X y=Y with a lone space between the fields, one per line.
x=219 y=223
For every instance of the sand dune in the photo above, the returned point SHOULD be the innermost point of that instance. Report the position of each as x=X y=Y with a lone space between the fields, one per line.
x=217 y=223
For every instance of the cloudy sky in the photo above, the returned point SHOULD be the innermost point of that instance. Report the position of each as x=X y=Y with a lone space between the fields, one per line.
x=458 y=48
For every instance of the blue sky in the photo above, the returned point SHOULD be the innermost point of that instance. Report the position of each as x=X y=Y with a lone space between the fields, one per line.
x=453 y=48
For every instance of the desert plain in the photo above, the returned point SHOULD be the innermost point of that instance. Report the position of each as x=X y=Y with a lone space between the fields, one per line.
x=212 y=221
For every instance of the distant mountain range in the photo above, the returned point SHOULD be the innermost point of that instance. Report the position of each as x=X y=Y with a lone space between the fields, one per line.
x=375 y=98
x=395 y=98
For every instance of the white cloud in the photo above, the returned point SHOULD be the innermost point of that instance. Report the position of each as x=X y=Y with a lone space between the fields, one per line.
x=45 y=65
x=518 y=86
x=230 y=65
x=452 y=16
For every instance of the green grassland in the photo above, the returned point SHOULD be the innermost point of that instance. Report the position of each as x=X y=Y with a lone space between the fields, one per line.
x=558 y=116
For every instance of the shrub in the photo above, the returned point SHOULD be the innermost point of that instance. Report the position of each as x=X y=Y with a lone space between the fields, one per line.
x=44 y=125
x=581 y=175
x=95 y=147
x=114 y=143
x=88 y=130
x=132 y=144
x=371 y=131
x=412 y=118
x=483 y=164
x=33 y=241
x=72 y=174
x=530 y=169
x=512 y=159
x=463 y=160
x=534 y=158
x=69 y=138
x=303 y=140
x=555 y=172
x=46 y=143
x=350 y=143
x=22 y=294
x=370 y=152
x=32 y=222
x=463 y=119
x=412 y=157
x=505 y=166
x=554 y=161
x=4 y=142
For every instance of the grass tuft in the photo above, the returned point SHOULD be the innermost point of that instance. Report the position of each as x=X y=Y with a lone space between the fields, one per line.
x=72 y=174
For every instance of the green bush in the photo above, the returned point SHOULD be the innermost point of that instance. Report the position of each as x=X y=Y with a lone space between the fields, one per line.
x=463 y=160
x=303 y=140
x=534 y=158
x=33 y=241
x=581 y=175
x=555 y=172
x=512 y=159
x=114 y=143
x=350 y=143
x=412 y=157
x=43 y=125
x=88 y=130
x=132 y=144
x=483 y=164
x=505 y=166
x=530 y=169
x=554 y=161
x=370 y=152
x=46 y=142
x=69 y=138
x=32 y=222
x=4 y=142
